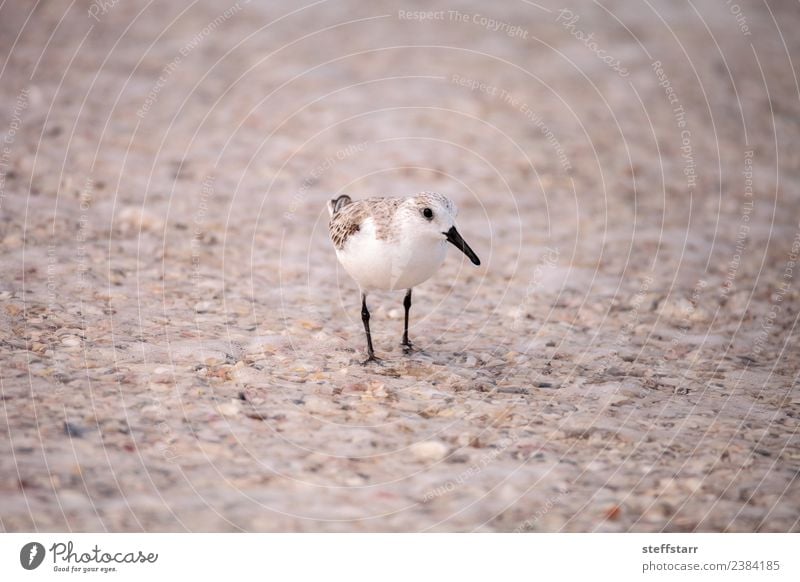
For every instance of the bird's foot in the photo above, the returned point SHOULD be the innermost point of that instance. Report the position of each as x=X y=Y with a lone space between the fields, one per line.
x=409 y=348
x=372 y=360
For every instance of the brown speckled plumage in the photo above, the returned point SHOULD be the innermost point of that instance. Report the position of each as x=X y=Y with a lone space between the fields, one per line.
x=350 y=218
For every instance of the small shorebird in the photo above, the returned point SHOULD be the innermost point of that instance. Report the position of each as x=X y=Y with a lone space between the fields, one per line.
x=393 y=243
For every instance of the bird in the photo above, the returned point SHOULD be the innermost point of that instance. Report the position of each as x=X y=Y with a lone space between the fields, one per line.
x=393 y=243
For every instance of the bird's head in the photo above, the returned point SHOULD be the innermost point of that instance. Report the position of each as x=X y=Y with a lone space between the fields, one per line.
x=433 y=214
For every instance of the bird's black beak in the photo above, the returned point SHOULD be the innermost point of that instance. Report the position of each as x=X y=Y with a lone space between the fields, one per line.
x=455 y=238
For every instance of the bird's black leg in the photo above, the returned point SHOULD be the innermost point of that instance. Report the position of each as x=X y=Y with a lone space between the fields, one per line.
x=365 y=318
x=407 y=304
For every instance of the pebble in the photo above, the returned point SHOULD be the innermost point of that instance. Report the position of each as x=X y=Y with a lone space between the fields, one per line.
x=73 y=430
x=429 y=451
x=231 y=408
x=317 y=405
x=469 y=440
x=134 y=219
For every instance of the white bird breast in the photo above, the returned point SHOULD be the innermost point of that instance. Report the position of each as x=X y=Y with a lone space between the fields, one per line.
x=383 y=265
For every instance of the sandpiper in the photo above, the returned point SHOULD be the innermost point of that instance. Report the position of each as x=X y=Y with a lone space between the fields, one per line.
x=393 y=243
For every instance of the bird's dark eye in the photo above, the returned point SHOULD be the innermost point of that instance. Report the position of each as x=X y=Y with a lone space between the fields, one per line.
x=427 y=213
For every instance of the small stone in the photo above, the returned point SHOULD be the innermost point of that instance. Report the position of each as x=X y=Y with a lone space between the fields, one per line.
x=619 y=400
x=317 y=405
x=73 y=501
x=162 y=375
x=512 y=390
x=70 y=341
x=429 y=450
x=135 y=219
x=469 y=440
x=13 y=310
x=231 y=408
x=73 y=430
x=12 y=241
x=613 y=513
x=458 y=459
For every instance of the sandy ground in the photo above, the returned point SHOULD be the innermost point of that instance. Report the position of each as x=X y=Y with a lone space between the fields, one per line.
x=180 y=350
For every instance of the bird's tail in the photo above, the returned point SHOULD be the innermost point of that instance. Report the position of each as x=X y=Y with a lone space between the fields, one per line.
x=336 y=204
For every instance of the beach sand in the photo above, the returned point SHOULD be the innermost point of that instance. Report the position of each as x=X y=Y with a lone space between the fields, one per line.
x=180 y=350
